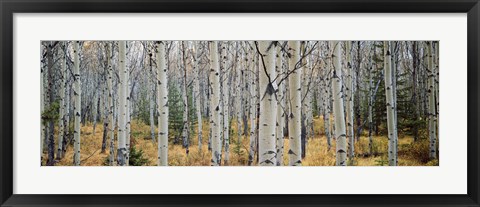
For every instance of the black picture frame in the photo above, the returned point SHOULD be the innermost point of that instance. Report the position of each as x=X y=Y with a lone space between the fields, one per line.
x=9 y=7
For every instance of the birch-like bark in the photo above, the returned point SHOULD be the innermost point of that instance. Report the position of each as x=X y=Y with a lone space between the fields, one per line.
x=162 y=103
x=327 y=100
x=95 y=101
x=349 y=104
x=128 y=117
x=122 y=105
x=431 y=102
x=66 y=124
x=239 y=91
x=370 y=111
x=280 y=108
x=103 y=111
x=304 y=99
x=391 y=106
x=51 y=99
x=215 y=103
x=196 y=93
x=268 y=104
x=341 y=153
x=186 y=123
x=61 y=134
x=225 y=102
x=110 y=104
x=394 y=87
x=151 y=88
x=77 y=94
x=253 y=105
x=294 y=127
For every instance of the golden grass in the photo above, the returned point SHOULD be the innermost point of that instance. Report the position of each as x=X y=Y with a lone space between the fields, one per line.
x=317 y=154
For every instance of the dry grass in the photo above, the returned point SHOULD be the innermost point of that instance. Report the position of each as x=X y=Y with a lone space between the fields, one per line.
x=317 y=154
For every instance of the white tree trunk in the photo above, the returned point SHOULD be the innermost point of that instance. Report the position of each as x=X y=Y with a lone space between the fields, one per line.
x=394 y=87
x=128 y=112
x=238 y=99
x=327 y=100
x=268 y=104
x=391 y=106
x=215 y=103
x=77 y=90
x=294 y=125
x=280 y=107
x=162 y=104
x=186 y=123
x=253 y=105
x=110 y=104
x=341 y=153
x=196 y=94
x=431 y=102
x=370 y=111
x=151 y=100
x=94 y=108
x=67 y=113
x=225 y=102
x=349 y=104
x=61 y=134
x=122 y=106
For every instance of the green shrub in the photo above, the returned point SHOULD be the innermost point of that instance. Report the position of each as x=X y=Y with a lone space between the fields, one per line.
x=137 y=158
x=51 y=113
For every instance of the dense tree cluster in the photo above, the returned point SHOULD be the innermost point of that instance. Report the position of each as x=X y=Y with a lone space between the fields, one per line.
x=271 y=91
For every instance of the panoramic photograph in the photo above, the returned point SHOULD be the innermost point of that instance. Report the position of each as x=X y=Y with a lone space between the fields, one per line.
x=239 y=103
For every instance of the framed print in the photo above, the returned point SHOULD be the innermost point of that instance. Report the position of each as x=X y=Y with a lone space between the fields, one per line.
x=313 y=103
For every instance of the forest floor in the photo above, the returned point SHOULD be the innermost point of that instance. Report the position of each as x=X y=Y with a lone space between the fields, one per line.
x=410 y=153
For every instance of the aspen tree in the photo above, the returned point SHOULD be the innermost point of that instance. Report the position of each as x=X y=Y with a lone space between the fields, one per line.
x=196 y=93
x=215 y=103
x=393 y=47
x=391 y=106
x=186 y=123
x=77 y=94
x=151 y=108
x=128 y=116
x=162 y=103
x=224 y=79
x=61 y=134
x=370 y=111
x=122 y=106
x=326 y=106
x=280 y=107
x=110 y=103
x=51 y=100
x=349 y=103
x=304 y=99
x=431 y=102
x=94 y=107
x=294 y=127
x=239 y=92
x=66 y=124
x=341 y=158
x=253 y=105
x=327 y=99
x=268 y=104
